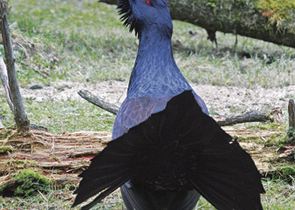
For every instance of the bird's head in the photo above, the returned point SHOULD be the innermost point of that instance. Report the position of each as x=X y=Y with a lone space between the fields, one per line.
x=149 y=15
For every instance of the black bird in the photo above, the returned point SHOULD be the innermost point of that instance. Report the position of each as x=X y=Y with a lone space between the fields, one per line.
x=166 y=150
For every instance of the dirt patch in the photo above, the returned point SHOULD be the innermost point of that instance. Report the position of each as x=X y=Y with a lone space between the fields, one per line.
x=219 y=99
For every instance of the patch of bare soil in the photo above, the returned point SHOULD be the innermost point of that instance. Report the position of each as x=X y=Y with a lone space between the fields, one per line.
x=219 y=99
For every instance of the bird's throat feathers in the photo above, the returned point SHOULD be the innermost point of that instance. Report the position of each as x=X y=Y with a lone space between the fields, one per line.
x=155 y=71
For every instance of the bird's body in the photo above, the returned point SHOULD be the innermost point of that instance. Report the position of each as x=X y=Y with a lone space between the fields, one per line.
x=155 y=78
x=166 y=150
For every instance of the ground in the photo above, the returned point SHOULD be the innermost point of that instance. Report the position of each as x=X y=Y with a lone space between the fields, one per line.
x=69 y=154
x=219 y=99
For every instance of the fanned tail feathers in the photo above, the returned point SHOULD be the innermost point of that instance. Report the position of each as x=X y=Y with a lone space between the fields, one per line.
x=177 y=148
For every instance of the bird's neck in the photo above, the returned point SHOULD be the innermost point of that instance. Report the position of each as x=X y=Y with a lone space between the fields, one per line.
x=154 y=47
x=155 y=71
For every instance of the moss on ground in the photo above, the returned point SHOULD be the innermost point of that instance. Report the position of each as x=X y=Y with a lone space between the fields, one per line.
x=25 y=183
x=6 y=149
x=286 y=173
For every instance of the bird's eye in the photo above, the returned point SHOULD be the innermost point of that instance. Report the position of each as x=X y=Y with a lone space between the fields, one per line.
x=148 y=2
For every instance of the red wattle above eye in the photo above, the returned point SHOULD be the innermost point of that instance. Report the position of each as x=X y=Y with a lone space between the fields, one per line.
x=149 y=3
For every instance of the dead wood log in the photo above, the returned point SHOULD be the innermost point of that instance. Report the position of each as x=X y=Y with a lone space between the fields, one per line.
x=66 y=165
x=252 y=116
x=88 y=152
x=246 y=18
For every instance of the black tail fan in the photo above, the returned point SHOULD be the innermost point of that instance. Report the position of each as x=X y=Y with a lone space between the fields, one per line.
x=177 y=148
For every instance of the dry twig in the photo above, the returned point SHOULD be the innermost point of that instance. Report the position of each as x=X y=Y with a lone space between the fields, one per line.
x=253 y=116
x=87 y=95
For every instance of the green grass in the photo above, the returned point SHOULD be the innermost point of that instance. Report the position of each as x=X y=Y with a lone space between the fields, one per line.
x=54 y=199
x=225 y=66
x=74 y=38
x=70 y=116
x=64 y=116
x=275 y=139
x=84 y=41
x=278 y=196
x=71 y=39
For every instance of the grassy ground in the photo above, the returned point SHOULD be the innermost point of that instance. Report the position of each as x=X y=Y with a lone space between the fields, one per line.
x=279 y=196
x=84 y=41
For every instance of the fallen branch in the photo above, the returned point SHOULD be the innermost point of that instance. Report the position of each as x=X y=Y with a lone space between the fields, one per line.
x=252 y=116
x=88 y=96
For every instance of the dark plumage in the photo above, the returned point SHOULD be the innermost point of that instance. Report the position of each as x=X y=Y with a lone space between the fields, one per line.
x=166 y=149
x=127 y=16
